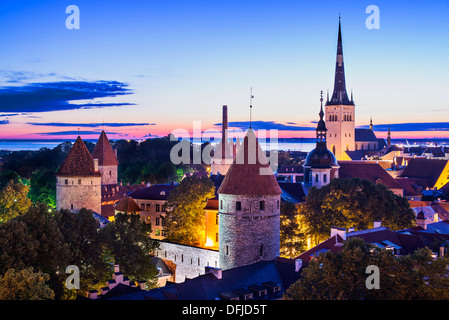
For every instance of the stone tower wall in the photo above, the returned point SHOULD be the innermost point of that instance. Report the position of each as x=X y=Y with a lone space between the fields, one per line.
x=248 y=235
x=109 y=174
x=81 y=192
x=340 y=133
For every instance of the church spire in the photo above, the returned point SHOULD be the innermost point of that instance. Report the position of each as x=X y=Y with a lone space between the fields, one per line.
x=321 y=130
x=340 y=96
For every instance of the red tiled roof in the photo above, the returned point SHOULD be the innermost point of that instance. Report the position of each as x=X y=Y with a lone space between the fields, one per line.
x=244 y=176
x=127 y=205
x=333 y=244
x=367 y=170
x=78 y=163
x=104 y=152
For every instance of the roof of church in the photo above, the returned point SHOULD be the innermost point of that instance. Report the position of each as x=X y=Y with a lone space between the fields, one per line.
x=79 y=162
x=340 y=96
x=103 y=152
x=365 y=135
x=250 y=173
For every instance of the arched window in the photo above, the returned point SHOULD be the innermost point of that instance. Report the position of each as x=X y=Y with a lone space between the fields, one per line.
x=316 y=178
x=324 y=177
x=336 y=118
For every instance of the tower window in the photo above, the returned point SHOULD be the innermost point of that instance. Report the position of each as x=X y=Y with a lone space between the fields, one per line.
x=221 y=204
x=79 y=181
x=216 y=218
x=110 y=173
x=238 y=206
x=325 y=178
x=66 y=181
x=71 y=206
x=316 y=178
x=262 y=205
x=278 y=204
x=227 y=250
x=261 y=250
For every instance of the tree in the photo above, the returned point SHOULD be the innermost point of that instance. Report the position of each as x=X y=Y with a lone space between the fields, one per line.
x=292 y=240
x=185 y=216
x=43 y=187
x=353 y=203
x=14 y=200
x=25 y=285
x=343 y=275
x=127 y=241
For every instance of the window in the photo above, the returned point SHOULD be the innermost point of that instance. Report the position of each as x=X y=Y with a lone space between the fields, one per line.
x=142 y=207
x=278 y=204
x=216 y=219
x=158 y=208
x=238 y=206
x=163 y=208
x=162 y=222
x=158 y=221
x=325 y=178
x=227 y=250
x=221 y=204
x=148 y=206
x=316 y=178
x=71 y=206
x=216 y=237
x=79 y=181
x=262 y=205
x=110 y=173
x=66 y=181
x=261 y=250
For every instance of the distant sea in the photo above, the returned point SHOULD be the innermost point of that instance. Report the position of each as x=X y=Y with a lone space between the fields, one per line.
x=292 y=144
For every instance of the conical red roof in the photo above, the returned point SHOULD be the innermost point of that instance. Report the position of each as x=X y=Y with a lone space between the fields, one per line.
x=79 y=162
x=103 y=152
x=248 y=173
x=127 y=205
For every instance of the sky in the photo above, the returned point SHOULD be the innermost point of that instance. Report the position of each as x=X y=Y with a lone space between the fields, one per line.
x=147 y=68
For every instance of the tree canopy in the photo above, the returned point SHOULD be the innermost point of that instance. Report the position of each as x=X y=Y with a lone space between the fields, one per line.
x=185 y=216
x=354 y=203
x=343 y=275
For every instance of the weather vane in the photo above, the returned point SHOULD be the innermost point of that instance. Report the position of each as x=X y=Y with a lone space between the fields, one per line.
x=250 y=106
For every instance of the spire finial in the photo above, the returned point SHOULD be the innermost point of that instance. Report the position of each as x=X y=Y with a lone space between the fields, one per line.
x=371 y=123
x=250 y=106
x=321 y=110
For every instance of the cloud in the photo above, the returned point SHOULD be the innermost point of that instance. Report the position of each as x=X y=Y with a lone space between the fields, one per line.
x=267 y=125
x=4 y=121
x=56 y=96
x=9 y=114
x=72 y=132
x=402 y=127
x=88 y=125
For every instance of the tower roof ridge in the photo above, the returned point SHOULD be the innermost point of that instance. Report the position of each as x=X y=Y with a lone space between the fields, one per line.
x=249 y=173
x=79 y=162
x=103 y=151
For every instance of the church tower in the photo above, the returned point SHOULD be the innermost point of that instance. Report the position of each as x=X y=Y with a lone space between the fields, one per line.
x=249 y=208
x=78 y=180
x=321 y=165
x=107 y=161
x=340 y=111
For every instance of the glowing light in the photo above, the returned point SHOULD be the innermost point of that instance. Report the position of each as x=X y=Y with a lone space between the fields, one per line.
x=209 y=242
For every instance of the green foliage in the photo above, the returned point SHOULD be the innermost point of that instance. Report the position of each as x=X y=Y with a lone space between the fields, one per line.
x=342 y=276
x=43 y=187
x=128 y=242
x=185 y=216
x=14 y=200
x=353 y=203
x=292 y=240
x=25 y=285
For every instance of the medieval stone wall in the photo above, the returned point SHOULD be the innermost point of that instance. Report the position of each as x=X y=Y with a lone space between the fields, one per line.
x=74 y=193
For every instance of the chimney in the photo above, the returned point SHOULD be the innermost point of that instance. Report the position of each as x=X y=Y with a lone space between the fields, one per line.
x=224 y=123
x=215 y=271
x=116 y=268
x=338 y=231
x=95 y=165
x=298 y=264
x=92 y=294
x=377 y=224
x=442 y=251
